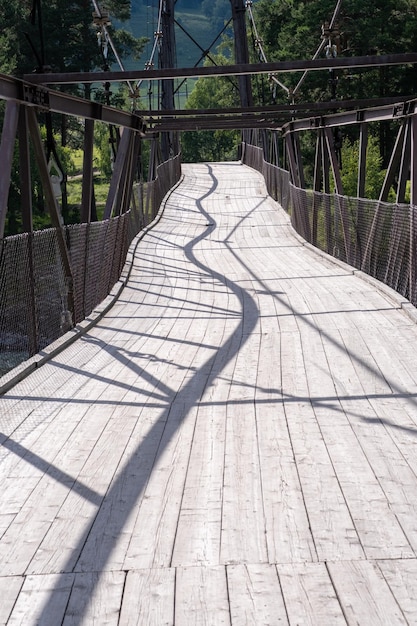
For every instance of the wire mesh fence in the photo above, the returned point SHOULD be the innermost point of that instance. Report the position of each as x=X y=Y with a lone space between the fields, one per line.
x=35 y=306
x=375 y=237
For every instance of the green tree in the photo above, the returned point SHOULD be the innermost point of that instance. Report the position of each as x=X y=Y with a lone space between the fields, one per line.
x=374 y=173
x=210 y=93
x=64 y=37
x=291 y=29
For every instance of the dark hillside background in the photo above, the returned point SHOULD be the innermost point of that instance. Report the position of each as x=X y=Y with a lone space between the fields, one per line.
x=203 y=19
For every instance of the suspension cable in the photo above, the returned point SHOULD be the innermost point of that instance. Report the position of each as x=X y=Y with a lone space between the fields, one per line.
x=258 y=43
x=107 y=39
x=319 y=50
x=156 y=45
x=321 y=46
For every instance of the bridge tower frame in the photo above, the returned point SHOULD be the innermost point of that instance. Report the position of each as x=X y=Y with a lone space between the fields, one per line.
x=242 y=50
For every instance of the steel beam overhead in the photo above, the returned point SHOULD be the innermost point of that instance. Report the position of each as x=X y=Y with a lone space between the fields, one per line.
x=279 y=108
x=277 y=119
x=376 y=114
x=339 y=63
x=58 y=102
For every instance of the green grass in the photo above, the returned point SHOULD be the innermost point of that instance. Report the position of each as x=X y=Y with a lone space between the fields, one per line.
x=101 y=189
x=77 y=159
x=74 y=186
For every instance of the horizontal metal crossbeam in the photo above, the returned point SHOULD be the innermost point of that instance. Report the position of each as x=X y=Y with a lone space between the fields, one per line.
x=339 y=63
x=271 y=117
x=58 y=102
x=373 y=114
x=279 y=108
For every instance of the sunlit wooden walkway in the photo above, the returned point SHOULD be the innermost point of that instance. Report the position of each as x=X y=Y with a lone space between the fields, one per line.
x=234 y=443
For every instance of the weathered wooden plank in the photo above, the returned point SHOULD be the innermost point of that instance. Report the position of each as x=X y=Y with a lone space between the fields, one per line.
x=255 y=595
x=59 y=550
x=148 y=598
x=199 y=526
x=198 y=535
x=35 y=391
x=5 y=522
x=309 y=595
x=364 y=594
x=288 y=532
x=352 y=450
x=110 y=533
x=201 y=597
x=333 y=529
x=14 y=493
x=95 y=599
x=365 y=479
x=245 y=402
x=10 y=588
x=153 y=536
x=243 y=522
x=21 y=540
x=42 y=600
x=401 y=576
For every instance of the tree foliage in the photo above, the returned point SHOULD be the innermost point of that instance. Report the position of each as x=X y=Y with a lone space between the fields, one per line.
x=61 y=36
x=292 y=30
x=374 y=173
x=210 y=93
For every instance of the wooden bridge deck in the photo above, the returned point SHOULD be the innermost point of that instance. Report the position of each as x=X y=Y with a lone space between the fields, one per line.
x=234 y=443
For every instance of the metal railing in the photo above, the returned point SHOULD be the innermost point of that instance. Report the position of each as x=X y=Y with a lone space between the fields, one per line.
x=375 y=237
x=34 y=304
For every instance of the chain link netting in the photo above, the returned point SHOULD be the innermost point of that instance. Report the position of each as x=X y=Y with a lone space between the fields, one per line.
x=35 y=303
x=375 y=237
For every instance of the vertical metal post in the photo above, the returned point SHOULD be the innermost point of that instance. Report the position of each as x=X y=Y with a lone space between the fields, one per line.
x=87 y=185
x=152 y=173
x=8 y=137
x=413 y=202
x=333 y=160
x=299 y=160
x=394 y=162
x=317 y=183
x=51 y=203
x=405 y=164
x=341 y=212
x=26 y=204
x=326 y=188
x=363 y=148
x=360 y=193
x=25 y=178
x=130 y=178
x=317 y=186
x=292 y=161
x=413 y=162
x=167 y=60
x=241 y=50
x=119 y=168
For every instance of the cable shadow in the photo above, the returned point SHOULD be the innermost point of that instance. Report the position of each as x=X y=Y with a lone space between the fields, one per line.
x=383 y=420
x=165 y=427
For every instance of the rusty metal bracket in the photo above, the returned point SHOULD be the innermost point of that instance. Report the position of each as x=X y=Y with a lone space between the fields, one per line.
x=37 y=96
x=317 y=122
x=401 y=109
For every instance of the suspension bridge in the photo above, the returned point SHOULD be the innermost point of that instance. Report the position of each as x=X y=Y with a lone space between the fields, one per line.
x=214 y=418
